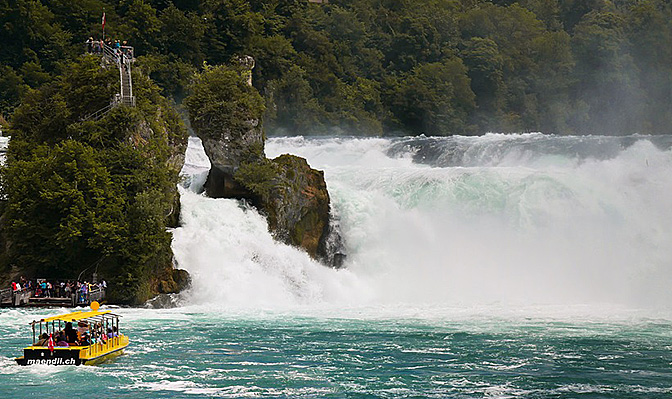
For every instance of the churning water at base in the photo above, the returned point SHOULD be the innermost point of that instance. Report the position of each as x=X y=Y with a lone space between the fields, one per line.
x=194 y=352
x=500 y=266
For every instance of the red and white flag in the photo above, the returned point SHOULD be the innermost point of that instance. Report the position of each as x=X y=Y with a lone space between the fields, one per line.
x=50 y=345
x=103 y=21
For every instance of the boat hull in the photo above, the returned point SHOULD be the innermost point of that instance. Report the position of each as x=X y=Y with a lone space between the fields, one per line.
x=42 y=355
x=75 y=355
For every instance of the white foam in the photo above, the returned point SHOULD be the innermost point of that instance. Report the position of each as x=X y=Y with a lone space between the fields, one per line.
x=554 y=233
x=566 y=232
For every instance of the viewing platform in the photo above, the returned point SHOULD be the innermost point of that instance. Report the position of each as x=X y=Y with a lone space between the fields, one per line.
x=121 y=57
x=26 y=298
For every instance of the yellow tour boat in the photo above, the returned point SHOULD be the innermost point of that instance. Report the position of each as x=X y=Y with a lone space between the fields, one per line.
x=96 y=339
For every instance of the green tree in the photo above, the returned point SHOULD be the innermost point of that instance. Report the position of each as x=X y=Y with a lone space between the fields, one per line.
x=551 y=81
x=62 y=209
x=47 y=112
x=222 y=104
x=29 y=32
x=648 y=28
x=607 y=77
x=181 y=35
x=139 y=25
x=486 y=71
x=11 y=89
x=295 y=106
x=509 y=106
x=435 y=99
x=231 y=26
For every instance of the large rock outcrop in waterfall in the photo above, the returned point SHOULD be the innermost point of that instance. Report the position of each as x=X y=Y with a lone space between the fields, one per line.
x=225 y=112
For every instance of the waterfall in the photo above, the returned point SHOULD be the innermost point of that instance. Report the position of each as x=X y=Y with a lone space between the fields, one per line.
x=509 y=219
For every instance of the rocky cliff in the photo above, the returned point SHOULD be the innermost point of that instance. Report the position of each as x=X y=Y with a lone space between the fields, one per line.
x=225 y=112
x=93 y=195
x=294 y=198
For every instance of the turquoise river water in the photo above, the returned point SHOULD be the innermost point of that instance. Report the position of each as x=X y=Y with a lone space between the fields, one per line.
x=359 y=353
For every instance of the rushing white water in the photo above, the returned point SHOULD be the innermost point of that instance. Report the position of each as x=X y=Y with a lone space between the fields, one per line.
x=504 y=219
x=234 y=260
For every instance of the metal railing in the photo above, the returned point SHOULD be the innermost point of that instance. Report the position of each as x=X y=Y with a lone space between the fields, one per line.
x=95 y=294
x=97 y=349
x=101 y=112
x=10 y=297
x=122 y=58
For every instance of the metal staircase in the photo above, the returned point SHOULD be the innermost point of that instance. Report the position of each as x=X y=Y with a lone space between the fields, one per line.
x=122 y=58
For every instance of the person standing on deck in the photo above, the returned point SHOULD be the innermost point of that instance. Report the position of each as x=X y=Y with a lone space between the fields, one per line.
x=70 y=333
x=96 y=47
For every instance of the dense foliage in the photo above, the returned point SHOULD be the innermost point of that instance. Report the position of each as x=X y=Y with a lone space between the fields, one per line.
x=85 y=196
x=223 y=107
x=382 y=66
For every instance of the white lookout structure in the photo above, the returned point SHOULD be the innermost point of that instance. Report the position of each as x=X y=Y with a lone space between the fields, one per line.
x=123 y=58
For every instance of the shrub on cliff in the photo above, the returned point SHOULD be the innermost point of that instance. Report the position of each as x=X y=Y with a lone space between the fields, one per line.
x=222 y=105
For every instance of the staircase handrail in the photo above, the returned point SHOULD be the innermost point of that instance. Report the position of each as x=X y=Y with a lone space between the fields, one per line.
x=122 y=57
x=110 y=53
x=101 y=112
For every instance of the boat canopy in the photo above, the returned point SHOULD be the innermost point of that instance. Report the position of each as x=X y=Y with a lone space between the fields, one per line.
x=76 y=316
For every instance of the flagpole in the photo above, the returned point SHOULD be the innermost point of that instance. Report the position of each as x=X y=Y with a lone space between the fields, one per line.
x=103 y=24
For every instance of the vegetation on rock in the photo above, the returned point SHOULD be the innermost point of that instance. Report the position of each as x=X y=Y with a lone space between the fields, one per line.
x=295 y=199
x=225 y=112
x=297 y=203
x=85 y=196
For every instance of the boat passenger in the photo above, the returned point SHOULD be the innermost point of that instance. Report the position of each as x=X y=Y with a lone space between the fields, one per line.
x=82 y=328
x=100 y=334
x=44 y=338
x=70 y=333
x=60 y=339
x=110 y=334
x=85 y=341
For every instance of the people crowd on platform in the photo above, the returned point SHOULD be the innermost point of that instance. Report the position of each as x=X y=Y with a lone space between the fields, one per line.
x=43 y=288
x=120 y=48
x=85 y=334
